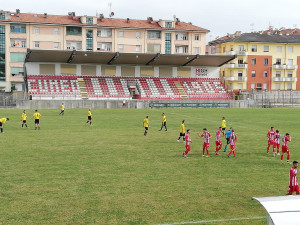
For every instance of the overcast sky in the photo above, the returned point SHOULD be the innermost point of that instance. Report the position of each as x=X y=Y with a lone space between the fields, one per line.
x=218 y=16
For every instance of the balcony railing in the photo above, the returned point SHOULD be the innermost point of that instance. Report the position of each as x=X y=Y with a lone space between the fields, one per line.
x=236 y=53
x=292 y=79
x=292 y=67
x=278 y=79
x=238 y=66
x=279 y=66
x=243 y=78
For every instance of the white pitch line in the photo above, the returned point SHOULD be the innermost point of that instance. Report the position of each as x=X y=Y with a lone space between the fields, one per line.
x=214 y=221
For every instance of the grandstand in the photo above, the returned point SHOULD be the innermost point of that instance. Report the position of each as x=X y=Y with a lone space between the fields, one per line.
x=99 y=86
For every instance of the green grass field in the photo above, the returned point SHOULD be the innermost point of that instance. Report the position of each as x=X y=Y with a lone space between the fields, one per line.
x=109 y=173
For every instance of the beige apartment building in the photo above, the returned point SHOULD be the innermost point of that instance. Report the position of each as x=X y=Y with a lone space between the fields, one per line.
x=22 y=31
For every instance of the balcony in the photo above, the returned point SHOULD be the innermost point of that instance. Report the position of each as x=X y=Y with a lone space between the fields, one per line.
x=278 y=79
x=291 y=79
x=236 y=66
x=279 y=66
x=243 y=78
x=236 y=53
x=292 y=67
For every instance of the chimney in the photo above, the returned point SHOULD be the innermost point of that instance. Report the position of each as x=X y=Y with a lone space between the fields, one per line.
x=101 y=16
x=45 y=15
x=177 y=21
x=128 y=20
x=18 y=11
x=149 y=19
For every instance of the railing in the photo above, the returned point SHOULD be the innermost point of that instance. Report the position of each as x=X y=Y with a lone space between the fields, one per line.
x=279 y=67
x=243 y=78
x=236 y=53
x=239 y=66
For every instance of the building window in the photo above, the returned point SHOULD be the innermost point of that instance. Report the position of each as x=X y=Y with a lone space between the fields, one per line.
x=56 y=31
x=74 y=31
x=89 y=40
x=104 y=46
x=168 y=24
x=240 y=73
x=2 y=16
x=89 y=20
x=278 y=62
x=56 y=44
x=278 y=74
x=289 y=86
x=154 y=34
x=253 y=73
x=254 y=48
x=168 y=43
x=277 y=86
x=138 y=48
x=266 y=61
x=121 y=48
x=241 y=48
x=181 y=36
x=197 y=37
x=16 y=71
x=17 y=57
x=290 y=74
x=253 y=61
x=36 y=44
x=290 y=49
x=121 y=33
x=265 y=86
x=266 y=48
x=240 y=60
x=104 y=33
x=265 y=74
x=196 y=50
x=2 y=53
x=252 y=86
x=16 y=28
x=138 y=34
x=155 y=48
x=258 y=86
x=36 y=30
x=279 y=49
x=290 y=62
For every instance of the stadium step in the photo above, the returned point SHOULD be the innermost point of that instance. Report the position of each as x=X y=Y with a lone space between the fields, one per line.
x=180 y=90
x=82 y=88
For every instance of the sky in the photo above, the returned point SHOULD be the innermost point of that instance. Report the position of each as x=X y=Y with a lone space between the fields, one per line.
x=218 y=16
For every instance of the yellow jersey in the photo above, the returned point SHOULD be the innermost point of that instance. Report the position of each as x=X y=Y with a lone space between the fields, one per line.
x=24 y=116
x=62 y=107
x=37 y=116
x=164 y=119
x=89 y=113
x=223 y=124
x=182 y=128
x=146 y=123
x=3 y=120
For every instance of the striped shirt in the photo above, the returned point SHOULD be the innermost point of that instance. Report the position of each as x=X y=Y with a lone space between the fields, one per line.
x=232 y=138
x=271 y=135
x=187 y=140
x=285 y=139
x=218 y=135
x=293 y=177
x=206 y=136
x=277 y=138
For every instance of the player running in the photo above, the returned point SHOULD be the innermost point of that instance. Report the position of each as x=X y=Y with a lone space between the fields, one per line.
x=218 y=140
x=284 y=148
x=276 y=143
x=232 y=140
x=2 y=122
x=206 y=142
x=270 y=136
x=164 y=122
x=62 y=109
x=37 y=117
x=182 y=132
x=223 y=125
x=227 y=134
x=146 y=125
x=24 y=119
x=188 y=140
x=89 y=117
x=293 y=184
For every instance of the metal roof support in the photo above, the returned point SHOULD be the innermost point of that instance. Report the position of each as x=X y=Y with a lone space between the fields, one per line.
x=114 y=58
x=153 y=59
x=72 y=56
x=228 y=61
x=193 y=59
x=28 y=54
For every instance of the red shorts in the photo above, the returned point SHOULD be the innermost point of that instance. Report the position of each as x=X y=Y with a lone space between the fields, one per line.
x=218 y=143
x=285 y=149
x=205 y=145
x=188 y=147
x=232 y=147
x=270 y=142
x=276 y=145
x=294 y=189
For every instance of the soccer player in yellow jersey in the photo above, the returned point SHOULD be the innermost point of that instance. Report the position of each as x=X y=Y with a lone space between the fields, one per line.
x=23 y=119
x=62 y=109
x=89 y=117
x=2 y=122
x=37 y=117
x=223 y=125
x=182 y=132
x=164 y=122
x=146 y=125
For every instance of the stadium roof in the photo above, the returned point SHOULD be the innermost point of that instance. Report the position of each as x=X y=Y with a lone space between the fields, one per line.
x=283 y=210
x=116 y=58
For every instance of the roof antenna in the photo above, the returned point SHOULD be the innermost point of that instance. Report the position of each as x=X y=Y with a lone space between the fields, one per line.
x=111 y=14
x=252 y=27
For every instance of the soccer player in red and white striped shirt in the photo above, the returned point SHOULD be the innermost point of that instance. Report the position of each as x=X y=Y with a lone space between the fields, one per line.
x=206 y=142
x=276 y=143
x=285 y=148
x=232 y=140
x=218 y=140
x=187 y=143
x=293 y=184
x=270 y=136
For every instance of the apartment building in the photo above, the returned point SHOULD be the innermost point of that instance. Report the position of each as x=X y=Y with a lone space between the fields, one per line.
x=264 y=61
x=22 y=31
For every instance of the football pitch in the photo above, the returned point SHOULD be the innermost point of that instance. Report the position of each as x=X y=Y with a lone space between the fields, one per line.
x=110 y=173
